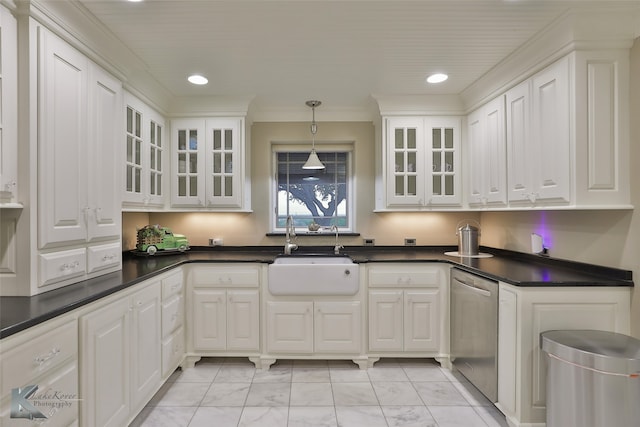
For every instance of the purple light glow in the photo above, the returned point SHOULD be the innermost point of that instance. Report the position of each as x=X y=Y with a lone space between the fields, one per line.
x=543 y=230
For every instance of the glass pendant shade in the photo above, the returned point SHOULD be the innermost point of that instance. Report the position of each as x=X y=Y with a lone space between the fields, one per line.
x=313 y=162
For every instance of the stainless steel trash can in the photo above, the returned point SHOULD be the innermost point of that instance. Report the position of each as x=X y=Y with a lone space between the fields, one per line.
x=593 y=379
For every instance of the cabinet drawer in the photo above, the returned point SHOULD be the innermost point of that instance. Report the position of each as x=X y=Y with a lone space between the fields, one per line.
x=405 y=276
x=103 y=256
x=234 y=276
x=25 y=362
x=172 y=285
x=58 y=266
x=172 y=314
x=61 y=408
x=172 y=352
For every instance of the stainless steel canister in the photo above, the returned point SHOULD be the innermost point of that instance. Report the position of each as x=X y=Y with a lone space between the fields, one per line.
x=468 y=242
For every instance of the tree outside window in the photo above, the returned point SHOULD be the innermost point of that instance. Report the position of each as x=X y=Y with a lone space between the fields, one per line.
x=312 y=196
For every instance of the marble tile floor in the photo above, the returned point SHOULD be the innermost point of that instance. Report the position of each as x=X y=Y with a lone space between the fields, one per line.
x=225 y=392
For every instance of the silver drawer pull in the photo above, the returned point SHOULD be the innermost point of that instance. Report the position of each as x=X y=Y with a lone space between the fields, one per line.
x=69 y=266
x=41 y=360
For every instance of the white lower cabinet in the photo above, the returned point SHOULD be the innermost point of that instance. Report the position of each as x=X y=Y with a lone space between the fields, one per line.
x=526 y=312
x=121 y=357
x=407 y=309
x=172 y=322
x=225 y=309
x=45 y=357
x=225 y=319
x=306 y=327
x=404 y=320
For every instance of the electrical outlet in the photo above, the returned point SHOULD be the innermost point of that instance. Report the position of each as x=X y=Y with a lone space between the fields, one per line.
x=368 y=242
x=409 y=241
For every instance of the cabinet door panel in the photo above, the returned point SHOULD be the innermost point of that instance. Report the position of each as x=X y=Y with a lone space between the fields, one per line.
x=145 y=344
x=223 y=163
x=188 y=171
x=405 y=161
x=495 y=185
x=551 y=131
x=475 y=137
x=337 y=327
x=243 y=320
x=105 y=379
x=8 y=103
x=443 y=166
x=209 y=320
x=421 y=320
x=105 y=129
x=62 y=192
x=518 y=102
x=290 y=327
x=385 y=320
x=507 y=349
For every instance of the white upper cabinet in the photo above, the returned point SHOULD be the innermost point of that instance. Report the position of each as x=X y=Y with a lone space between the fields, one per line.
x=487 y=183
x=145 y=155
x=8 y=107
x=566 y=138
x=208 y=163
x=79 y=109
x=421 y=162
x=103 y=161
x=62 y=150
x=538 y=137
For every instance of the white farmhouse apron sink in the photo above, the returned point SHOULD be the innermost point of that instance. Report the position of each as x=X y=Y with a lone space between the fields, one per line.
x=313 y=275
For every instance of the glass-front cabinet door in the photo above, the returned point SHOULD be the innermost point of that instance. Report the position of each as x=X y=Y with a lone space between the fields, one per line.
x=188 y=162
x=443 y=142
x=133 y=184
x=405 y=161
x=207 y=160
x=144 y=162
x=223 y=152
x=422 y=162
x=156 y=149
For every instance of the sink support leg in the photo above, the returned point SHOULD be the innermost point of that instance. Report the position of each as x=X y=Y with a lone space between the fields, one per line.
x=266 y=362
x=445 y=362
x=190 y=362
x=365 y=362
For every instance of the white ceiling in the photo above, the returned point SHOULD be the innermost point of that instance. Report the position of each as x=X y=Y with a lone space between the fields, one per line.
x=282 y=53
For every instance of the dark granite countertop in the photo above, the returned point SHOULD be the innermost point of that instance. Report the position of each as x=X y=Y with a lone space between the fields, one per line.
x=519 y=269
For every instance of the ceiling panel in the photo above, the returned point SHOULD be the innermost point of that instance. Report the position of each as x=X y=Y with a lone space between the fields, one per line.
x=284 y=52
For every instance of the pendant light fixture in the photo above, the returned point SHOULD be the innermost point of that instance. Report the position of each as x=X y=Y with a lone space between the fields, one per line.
x=313 y=162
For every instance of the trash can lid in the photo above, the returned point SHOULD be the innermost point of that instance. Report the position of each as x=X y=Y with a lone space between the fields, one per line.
x=601 y=350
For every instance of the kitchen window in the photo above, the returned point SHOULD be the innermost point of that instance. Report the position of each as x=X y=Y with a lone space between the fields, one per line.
x=313 y=196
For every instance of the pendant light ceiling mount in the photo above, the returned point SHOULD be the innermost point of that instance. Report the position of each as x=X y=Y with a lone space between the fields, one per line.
x=313 y=162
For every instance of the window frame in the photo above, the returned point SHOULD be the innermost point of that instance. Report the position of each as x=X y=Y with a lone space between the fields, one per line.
x=346 y=147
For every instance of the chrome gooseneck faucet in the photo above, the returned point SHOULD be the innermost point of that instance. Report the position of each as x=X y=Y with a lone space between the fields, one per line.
x=338 y=246
x=289 y=233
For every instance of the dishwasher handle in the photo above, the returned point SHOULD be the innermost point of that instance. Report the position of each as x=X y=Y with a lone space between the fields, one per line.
x=474 y=289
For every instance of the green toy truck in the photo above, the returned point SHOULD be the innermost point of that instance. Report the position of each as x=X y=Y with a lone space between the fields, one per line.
x=153 y=238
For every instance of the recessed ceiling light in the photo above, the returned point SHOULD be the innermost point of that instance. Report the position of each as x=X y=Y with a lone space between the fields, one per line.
x=135 y=1
x=437 y=78
x=197 y=79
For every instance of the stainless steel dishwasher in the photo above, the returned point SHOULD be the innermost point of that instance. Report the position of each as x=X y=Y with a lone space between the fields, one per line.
x=474 y=330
